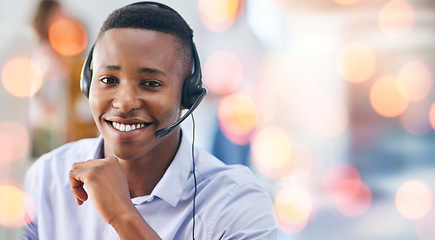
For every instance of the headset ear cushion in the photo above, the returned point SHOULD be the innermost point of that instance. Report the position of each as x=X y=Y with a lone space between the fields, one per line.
x=86 y=75
x=192 y=86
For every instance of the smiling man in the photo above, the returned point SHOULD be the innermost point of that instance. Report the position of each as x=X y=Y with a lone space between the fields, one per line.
x=144 y=180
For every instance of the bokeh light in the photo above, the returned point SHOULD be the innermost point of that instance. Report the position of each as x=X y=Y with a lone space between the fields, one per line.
x=432 y=115
x=415 y=118
x=415 y=81
x=218 y=15
x=356 y=62
x=346 y=2
x=14 y=141
x=414 y=199
x=237 y=116
x=293 y=207
x=342 y=182
x=337 y=174
x=396 y=18
x=21 y=77
x=271 y=152
x=386 y=99
x=223 y=72
x=352 y=197
x=13 y=205
x=68 y=37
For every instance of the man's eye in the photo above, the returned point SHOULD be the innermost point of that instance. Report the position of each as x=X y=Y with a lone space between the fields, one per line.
x=108 y=80
x=152 y=84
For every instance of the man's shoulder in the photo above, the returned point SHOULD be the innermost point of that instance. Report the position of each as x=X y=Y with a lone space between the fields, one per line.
x=212 y=169
x=239 y=207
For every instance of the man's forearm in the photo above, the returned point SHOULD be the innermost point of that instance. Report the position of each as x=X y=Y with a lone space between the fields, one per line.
x=132 y=226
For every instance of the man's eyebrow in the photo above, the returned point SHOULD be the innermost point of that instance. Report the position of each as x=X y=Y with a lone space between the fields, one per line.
x=141 y=70
x=151 y=70
x=112 y=67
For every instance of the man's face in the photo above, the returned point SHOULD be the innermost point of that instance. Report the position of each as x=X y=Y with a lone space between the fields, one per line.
x=136 y=90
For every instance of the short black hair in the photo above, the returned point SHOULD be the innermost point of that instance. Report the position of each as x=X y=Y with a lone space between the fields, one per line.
x=155 y=17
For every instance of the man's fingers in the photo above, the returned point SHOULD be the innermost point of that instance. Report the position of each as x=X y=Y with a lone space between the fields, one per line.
x=85 y=164
x=77 y=187
x=80 y=194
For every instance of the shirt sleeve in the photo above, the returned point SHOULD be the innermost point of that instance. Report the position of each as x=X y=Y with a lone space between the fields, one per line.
x=247 y=213
x=30 y=230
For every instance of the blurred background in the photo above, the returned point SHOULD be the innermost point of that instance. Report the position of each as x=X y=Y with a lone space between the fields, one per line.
x=329 y=102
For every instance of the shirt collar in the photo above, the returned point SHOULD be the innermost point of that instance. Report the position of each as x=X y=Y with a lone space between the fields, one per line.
x=98 y=150
x=171 y=186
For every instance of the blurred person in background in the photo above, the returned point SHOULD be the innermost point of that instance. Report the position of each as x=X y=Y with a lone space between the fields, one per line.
x=145 y=180
x=58 y=112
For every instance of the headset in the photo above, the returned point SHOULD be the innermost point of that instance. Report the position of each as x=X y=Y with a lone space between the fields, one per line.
x=192 y=94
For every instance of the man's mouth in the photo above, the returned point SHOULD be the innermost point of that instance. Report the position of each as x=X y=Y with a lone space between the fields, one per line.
x=122 y=127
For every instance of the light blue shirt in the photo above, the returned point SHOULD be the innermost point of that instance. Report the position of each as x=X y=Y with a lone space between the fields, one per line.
x=230 y=203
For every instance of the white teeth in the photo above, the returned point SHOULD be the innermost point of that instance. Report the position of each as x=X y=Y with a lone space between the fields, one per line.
x=126 y=127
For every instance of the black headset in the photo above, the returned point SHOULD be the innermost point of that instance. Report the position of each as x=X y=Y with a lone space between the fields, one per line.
x=192 y=93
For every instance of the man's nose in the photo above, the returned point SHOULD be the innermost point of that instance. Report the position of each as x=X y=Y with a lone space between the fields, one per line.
x=126 y=98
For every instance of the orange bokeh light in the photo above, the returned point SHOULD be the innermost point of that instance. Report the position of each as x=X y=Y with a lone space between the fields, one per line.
x=223 y=72
x=237 y=116
x=293 y=207
x=218 y=15
x=386 y=99
x=415 y=81
x=271 y=152
x=14 y=141
x=67 y=36
x=356 y=62
x=346 y=2
x=13 y=204
x=415 y=119
x=414 y=199
x=396 y=18
x=21 y=77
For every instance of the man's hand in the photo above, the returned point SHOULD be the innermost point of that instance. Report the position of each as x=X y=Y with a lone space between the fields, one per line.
x=106 y=185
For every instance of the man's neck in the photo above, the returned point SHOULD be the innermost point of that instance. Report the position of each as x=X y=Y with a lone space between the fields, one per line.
x=144 y=173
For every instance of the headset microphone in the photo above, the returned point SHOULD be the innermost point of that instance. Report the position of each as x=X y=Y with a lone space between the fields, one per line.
x=165 y=131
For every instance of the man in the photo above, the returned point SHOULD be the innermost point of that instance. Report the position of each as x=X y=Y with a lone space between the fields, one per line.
x=143 y=182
